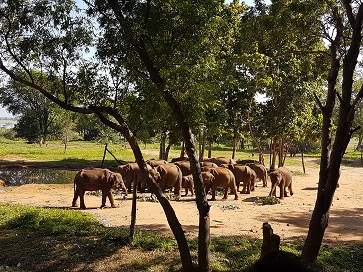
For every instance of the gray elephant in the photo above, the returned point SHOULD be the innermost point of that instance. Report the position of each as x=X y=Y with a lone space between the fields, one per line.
x=281 y=177
x=94 y=179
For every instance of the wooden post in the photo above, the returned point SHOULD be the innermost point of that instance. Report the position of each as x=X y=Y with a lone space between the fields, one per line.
x=271 y=241
x=104 y=155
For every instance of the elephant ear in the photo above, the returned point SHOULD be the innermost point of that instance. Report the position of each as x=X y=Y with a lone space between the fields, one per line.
x=214 y=172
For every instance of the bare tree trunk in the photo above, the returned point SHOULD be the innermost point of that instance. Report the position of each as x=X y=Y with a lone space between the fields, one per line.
x=234 y=142
x=209 y=149
x=302 y=161
x=273 y=159
x=182 y=151
x=202 y=144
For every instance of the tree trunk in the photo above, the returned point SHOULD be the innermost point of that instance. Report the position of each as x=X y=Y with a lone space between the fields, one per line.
x=167 y=149
x=273 y=159
x=182 y=151
x=201 y=197
x=202 y=144
x=133 y=210
x=162 y=147
x=173 y=221
x=209 y=149
x=302 y=162
x=234 y=142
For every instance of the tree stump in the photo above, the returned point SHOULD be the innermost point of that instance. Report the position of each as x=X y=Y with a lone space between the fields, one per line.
x=271 y=241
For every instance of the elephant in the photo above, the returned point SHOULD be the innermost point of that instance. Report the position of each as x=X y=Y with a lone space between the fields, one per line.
x=281 y=177
x=154 y=163
x=292 y=151
x=180 y=159
x=261 y=172
x=223 y=178
x=131 y=172
x=220 y=160
x=93 y=179
x=170 y=176
x=244 y=174
x=188 y=184
x=207 y=164
x=184 y=167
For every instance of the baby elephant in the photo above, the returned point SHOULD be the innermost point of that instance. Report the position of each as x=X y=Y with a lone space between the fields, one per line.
x=93 y=179
x=281 y=177
x=188 y=184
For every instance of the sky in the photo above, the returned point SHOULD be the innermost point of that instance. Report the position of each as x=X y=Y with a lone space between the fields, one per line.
x=4 y=113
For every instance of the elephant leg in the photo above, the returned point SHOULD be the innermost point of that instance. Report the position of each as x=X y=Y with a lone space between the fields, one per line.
x=81 y=199
x=237 y=185
x=213 y=194
x=111 y=198
x=252 y=184
x=248 y=187
x=234 y=190
x=74 y=202
x=186 y=192
x=282 y=190
x=104 y=196
x=290 y=189
x=225 y=196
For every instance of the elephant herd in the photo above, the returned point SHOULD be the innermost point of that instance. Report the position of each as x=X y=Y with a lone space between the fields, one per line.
x=219 y=172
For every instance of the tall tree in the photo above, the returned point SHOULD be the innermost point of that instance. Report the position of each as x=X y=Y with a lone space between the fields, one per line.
x=343 y=30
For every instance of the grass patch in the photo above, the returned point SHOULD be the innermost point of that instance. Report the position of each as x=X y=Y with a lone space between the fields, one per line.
x=38 y=239
x=268 y=200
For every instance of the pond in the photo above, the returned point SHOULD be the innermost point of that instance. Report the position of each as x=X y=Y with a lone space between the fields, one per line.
x=30 y=176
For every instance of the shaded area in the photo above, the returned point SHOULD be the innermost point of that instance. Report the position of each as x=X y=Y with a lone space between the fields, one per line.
x=341 y=223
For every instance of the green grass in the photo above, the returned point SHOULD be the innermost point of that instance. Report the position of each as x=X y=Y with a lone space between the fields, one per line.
x=38 y=239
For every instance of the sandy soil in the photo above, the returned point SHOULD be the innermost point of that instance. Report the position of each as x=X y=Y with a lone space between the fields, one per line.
x=289 y=219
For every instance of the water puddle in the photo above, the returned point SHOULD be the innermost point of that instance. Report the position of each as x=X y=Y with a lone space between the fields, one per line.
x=36 y=176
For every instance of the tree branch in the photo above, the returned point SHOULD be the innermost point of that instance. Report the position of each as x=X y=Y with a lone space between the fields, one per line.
x=48 y=95
x=318 y=102
x=348 y=9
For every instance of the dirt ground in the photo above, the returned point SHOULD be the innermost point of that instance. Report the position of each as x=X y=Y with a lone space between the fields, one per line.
x=289 y=219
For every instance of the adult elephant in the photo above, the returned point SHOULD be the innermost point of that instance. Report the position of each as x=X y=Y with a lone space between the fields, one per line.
x=184 y=167
x=243 y=174
x=281 y=177
x=131 y=173
x=261 y=172
x=223 y=178
x=220 y=160
x=170 y=176
x=154 y=163
x=93 y=179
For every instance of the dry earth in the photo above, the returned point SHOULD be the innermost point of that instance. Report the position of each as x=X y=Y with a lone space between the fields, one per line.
x=289 y=219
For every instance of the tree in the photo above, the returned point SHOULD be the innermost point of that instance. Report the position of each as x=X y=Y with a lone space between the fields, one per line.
x=344 y=23
x=36 y=113
x=168 y=45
